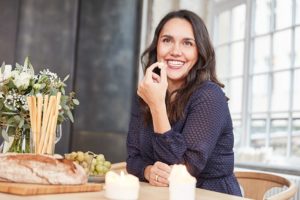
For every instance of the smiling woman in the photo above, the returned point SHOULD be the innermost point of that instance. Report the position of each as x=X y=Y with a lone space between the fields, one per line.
x=181 y=115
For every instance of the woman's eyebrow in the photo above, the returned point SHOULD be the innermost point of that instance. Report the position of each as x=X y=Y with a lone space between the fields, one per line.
x=170 y=36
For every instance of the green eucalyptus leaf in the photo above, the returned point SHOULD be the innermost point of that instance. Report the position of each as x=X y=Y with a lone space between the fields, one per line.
x=66 y=78
x=2 y=67
x=17 y=118
x=63 y=91
x=9 y=113
x=26 y=62
x=76 y=102
x=11 y=121
x=42 y=86
x=70 y=115
x=5 y=134
x=21 y=123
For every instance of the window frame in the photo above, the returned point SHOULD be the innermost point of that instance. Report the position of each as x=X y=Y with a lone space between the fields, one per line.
x=249 y=37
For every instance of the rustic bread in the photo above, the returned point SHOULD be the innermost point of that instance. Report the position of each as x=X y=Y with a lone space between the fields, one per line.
x=40 y=169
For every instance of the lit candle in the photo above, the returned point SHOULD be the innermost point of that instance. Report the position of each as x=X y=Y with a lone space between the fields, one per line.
x=121 y=187
x=181 y=184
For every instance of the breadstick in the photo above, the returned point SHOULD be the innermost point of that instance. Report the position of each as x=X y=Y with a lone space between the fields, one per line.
x=34 y=120
x=44 y=122
x=44 y=141
x=51 y=144
x=39 y=118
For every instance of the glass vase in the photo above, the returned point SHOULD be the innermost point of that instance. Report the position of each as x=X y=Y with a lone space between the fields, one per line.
x=20 y=140
x=45 y=147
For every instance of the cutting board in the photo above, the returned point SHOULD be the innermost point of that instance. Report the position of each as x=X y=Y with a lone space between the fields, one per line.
x=36 y=189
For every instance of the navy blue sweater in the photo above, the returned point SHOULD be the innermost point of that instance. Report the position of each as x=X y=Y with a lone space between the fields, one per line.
x=202 y=140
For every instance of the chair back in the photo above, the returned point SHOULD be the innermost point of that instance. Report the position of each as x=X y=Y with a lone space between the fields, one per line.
x=256 y=184
x=118 y=167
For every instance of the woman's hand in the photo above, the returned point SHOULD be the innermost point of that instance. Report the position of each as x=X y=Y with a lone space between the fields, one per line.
x=158 y=174
x=152 y=89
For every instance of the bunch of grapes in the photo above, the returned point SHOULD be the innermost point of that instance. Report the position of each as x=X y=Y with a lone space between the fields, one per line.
x=93 y=164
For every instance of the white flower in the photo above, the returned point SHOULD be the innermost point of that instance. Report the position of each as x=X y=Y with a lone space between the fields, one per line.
x=21 y=80
x=6 y=73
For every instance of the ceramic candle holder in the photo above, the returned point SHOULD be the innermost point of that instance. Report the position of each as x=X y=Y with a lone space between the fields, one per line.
x=121 y=187
x=181 y=184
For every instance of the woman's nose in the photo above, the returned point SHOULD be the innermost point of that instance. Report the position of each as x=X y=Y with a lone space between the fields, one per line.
x=176 y=50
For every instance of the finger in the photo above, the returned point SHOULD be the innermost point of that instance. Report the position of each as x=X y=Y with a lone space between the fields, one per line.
x=163 y=174
x=149 y=70
x=156 y=78
x=163 y=180
x=163 y=166
x=163 y=72
x=158 y=183
x=152 y=67
x=161 y=184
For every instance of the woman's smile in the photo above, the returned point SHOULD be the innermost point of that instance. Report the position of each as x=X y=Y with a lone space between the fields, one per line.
x=175 y=64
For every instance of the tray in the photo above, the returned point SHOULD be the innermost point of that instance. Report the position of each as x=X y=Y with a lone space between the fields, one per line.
x=37 y=189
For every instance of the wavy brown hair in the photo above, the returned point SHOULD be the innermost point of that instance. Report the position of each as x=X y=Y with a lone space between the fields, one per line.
x=204 y=69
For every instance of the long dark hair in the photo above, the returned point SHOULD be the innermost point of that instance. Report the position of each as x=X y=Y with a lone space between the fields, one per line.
x=204 y=69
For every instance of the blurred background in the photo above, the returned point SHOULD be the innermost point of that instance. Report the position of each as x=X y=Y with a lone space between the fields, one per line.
x=99 y=43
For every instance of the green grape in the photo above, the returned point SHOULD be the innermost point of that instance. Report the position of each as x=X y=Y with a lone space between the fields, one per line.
x=92 y=168
x=100 y=163
x=107 y=164
x=100 y=157
x=105 y=169
x=99 y=168
x=80 y=156
x=93 y=164
x=73 y=155
x=87 y=157
x=84 y=164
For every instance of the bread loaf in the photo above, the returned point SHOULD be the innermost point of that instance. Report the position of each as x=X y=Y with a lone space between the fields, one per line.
x=40 y=169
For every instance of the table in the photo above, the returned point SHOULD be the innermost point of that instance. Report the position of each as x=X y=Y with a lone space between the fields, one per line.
x=147 y=192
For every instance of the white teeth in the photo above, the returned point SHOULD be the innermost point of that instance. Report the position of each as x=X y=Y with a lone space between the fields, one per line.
x=175 y=62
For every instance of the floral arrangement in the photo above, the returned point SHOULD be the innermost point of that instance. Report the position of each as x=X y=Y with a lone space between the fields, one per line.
x=18 y=83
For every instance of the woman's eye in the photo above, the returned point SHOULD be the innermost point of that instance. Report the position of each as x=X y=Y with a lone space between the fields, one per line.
x=166 y=40
x=188 y=43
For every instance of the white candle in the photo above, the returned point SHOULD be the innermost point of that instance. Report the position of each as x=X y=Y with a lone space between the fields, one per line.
x=121 y=187
x=181 y=184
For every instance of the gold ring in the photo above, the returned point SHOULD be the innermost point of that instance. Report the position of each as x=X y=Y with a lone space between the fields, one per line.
x=156 y=178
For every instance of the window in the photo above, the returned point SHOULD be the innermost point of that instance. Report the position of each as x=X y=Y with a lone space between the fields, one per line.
x=257 y=45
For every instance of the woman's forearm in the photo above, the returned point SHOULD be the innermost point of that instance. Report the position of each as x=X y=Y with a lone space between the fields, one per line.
x=160 y=119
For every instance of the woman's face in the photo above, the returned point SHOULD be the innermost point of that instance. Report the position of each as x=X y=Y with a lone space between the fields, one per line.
x=177 y=48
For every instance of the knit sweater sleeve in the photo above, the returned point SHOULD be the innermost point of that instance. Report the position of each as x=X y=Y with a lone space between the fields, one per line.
x=135 y=162
x=206 y=117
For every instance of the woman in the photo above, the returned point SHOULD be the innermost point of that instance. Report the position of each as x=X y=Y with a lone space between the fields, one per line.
x=181 y=115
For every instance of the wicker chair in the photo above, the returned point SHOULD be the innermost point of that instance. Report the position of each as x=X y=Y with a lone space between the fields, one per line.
x=118 y=167
x=256 y=184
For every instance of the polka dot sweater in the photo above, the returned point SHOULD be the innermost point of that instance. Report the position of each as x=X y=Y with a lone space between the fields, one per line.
x=202 y=140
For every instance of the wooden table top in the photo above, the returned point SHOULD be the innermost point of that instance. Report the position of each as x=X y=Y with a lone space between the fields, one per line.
x=147 y=192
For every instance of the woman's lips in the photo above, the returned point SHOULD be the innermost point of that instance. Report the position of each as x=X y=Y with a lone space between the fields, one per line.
x=175 y=64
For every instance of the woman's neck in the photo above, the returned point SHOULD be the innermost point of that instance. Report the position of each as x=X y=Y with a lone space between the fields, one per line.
x=172 y=86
